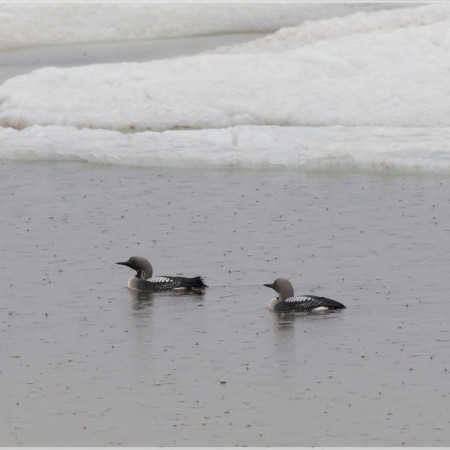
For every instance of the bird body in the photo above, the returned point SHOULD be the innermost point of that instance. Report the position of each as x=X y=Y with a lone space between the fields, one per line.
x=286 y=300
x=144 y=280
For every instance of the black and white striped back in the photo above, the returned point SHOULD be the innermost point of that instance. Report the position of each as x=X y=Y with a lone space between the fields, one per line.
x=165 y=283
x=306 y=303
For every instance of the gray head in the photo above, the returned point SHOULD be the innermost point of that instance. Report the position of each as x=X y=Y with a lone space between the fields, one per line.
x=282 y=287
x=141 y=265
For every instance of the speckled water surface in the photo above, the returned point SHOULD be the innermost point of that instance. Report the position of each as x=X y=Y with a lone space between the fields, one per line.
x=86 y=362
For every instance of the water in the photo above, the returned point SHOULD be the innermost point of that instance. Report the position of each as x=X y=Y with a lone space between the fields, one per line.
x=24 y=60
x=107 y=367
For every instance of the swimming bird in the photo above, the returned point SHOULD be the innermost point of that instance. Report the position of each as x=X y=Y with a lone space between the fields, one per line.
x=286 y=301
x=143 y=280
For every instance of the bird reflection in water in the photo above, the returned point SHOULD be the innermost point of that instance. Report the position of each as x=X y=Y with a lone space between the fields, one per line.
x=285 y=321
x=144 y=299
x=141 y=299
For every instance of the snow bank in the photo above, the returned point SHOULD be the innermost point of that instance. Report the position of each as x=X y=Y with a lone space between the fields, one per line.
x=34 y=24
x=387 y=77
x=363 y=92
x=314 y=149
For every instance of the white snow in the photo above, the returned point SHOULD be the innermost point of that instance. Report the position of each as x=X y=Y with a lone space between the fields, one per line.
x=369 y=91
x=397 y=77
x=34 y=24
x=414 y=150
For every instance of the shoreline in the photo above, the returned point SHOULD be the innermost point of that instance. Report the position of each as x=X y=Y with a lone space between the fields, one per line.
x=20 y=61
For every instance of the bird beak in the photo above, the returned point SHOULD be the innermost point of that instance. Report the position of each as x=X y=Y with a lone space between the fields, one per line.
x=123 y=263
x=268 y=285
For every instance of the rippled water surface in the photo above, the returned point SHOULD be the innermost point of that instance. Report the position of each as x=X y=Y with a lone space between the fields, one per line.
x=86 y=362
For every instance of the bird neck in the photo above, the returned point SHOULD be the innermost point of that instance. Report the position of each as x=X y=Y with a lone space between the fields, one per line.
x=142 y=275
x=274 y=302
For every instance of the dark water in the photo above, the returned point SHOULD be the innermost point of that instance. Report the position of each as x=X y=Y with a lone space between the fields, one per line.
x=86 y=362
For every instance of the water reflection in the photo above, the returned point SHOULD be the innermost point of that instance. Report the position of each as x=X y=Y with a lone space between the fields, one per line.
x=141 y=299
x=144 y=299
x=286 y=320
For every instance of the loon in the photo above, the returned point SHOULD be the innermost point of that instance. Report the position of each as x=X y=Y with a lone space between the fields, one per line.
x=286 y=301
x=143 y=280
